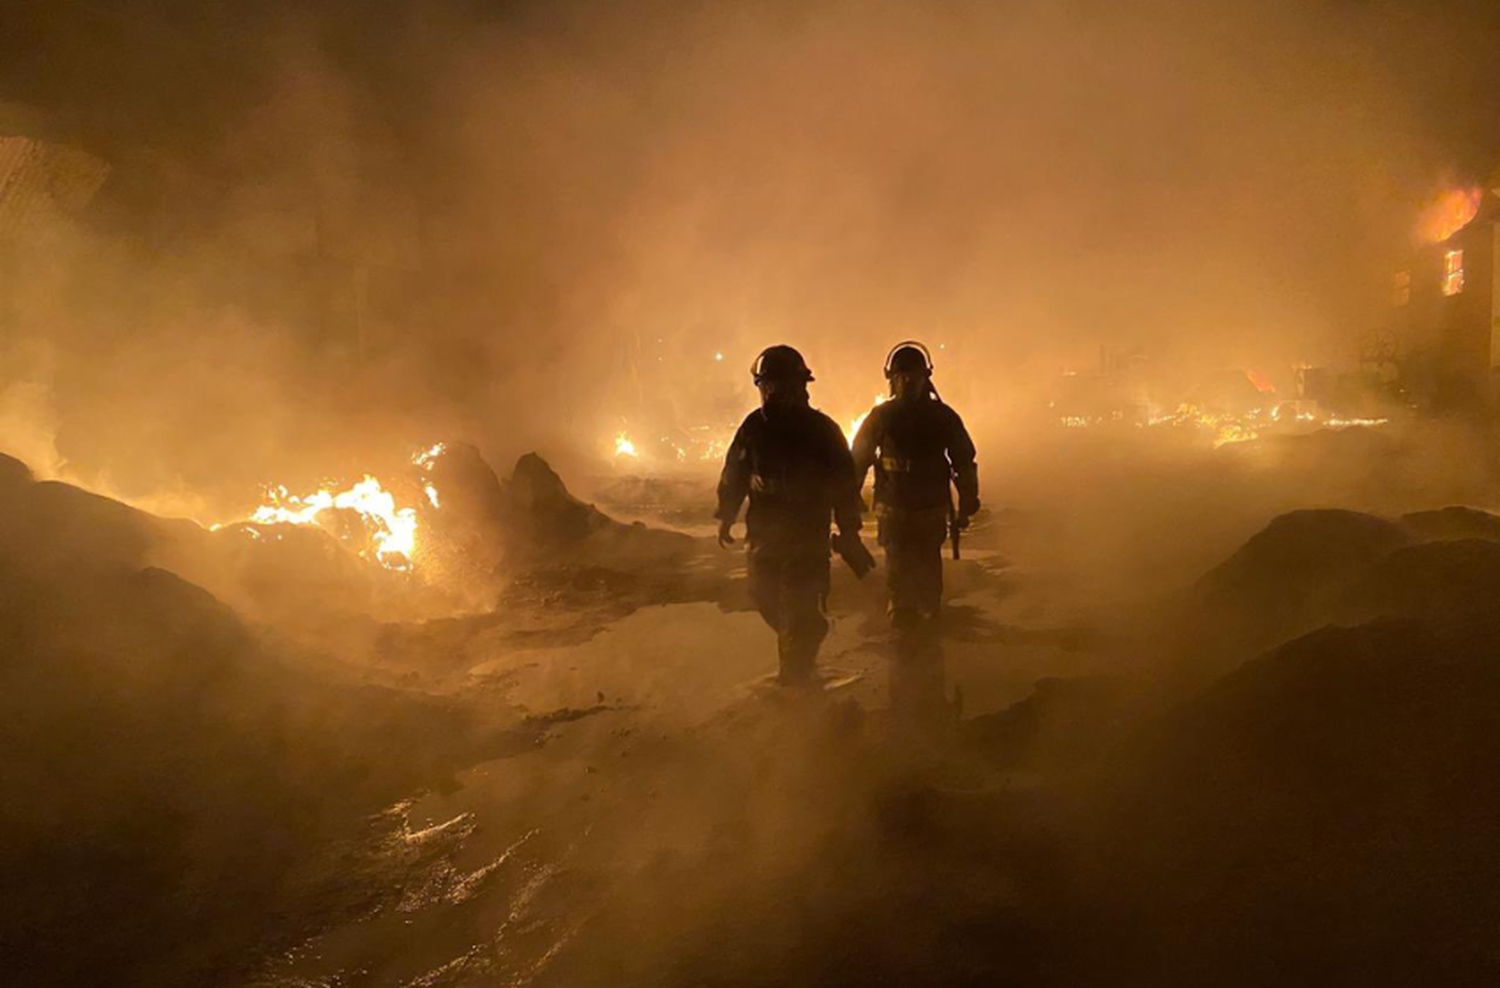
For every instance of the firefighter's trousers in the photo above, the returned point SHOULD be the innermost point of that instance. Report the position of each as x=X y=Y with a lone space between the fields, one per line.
x=789 y=585
x=913 y=543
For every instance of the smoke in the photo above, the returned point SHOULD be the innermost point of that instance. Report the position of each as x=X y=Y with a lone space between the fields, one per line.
x=30 y=426
x=334 y=234
x=330 y=236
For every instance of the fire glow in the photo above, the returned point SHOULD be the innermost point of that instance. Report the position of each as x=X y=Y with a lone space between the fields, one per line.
x=389 y=529
x=853 y=429
x=393 y=530
x=1448 y=214
x=1226 y=429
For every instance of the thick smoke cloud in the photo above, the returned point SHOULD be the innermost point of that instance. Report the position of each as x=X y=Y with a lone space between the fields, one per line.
x=332 y=233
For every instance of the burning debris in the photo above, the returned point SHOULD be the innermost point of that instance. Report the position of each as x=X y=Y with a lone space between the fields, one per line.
x=158 y=742
x=451 y=524
x=1448 y=213
x=1246 y=410
x=625 y=447
x=365 y=515
x=392 y=531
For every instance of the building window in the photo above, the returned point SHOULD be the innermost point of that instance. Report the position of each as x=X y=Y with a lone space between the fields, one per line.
x=1401 y=288
x=1453 y=272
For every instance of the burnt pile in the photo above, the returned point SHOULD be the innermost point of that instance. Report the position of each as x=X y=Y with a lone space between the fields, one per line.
x=473 y=535
x=162 y=753
x=545 y=523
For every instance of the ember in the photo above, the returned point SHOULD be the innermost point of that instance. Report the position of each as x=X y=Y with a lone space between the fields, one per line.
x=1225 y=428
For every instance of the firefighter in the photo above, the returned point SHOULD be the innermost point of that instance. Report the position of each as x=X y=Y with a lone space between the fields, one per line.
x=794 y=465
x=921 y=452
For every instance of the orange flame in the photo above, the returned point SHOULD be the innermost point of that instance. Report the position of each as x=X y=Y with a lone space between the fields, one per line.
x=853 y=428
x=1262 y=383
x=393 y=529
x=1449 y=213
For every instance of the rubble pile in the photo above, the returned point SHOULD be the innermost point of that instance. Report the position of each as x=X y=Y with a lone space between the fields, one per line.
x=1453 y=523
x=163 y=753
x=1326 y=809
x=1287 y=578
x=545 y=523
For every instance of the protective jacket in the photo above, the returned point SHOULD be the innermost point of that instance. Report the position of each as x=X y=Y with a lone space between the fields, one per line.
x=917 y=446
x=794 y=465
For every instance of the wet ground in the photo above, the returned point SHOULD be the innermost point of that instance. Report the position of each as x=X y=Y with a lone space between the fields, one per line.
x=671 y=769
x=592 y=782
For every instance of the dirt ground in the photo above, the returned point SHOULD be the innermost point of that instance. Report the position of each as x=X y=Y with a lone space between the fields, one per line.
x=1164 y=768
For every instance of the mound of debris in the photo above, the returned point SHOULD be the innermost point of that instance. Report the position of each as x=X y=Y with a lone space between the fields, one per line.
x=1453 y=523
x=1288 y=577
x=1309 y=568
x=1446 y=580
x=1324 y=814
x=545 y=523
x=162 y=753
x=680 y=501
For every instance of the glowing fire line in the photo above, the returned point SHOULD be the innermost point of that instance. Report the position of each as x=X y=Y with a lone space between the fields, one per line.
x=394 y=529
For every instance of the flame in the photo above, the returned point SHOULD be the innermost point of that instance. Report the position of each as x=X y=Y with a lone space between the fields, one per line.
x=624 y=447
x=715 y=449
x=1262 y=383
x=1226 y=428
x=1450 y=212
x=427 y=459
x=1354 y=423
x=393 y=530
x=854 y=424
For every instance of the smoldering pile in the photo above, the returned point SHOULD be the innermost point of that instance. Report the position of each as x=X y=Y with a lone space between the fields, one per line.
x=163 y=753
x=471 y=535
x=171 y=746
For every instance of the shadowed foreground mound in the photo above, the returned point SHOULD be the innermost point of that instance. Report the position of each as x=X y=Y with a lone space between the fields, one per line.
x=1287 y=576
x=1310 y=568
x=1325 y=812
x=165 y=768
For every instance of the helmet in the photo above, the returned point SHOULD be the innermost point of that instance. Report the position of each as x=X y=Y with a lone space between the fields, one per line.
x=908 y=356
x=780 y=363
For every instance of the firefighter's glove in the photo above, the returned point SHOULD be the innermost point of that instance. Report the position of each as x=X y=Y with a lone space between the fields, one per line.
x=961 y=523
x=726 y=539
x=853 y=552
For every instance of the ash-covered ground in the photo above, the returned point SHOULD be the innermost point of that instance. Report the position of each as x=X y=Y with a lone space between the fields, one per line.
x=1230 y=717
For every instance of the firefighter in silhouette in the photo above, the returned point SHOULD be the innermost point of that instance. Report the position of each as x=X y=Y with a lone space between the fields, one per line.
x=794 y=465
x=921 y=454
